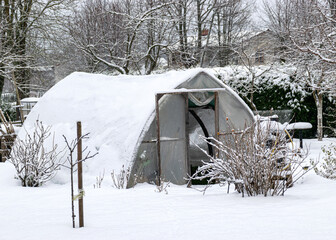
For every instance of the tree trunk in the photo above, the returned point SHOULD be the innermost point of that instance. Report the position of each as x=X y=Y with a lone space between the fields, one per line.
x=252 y=92
x=204 y=50
x=2 y=83
x=185 y=29
x=199 y=30
x=318 y=97
x=219 y=36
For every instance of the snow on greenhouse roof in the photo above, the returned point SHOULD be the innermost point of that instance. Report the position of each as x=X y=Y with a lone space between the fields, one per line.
x=113 y=109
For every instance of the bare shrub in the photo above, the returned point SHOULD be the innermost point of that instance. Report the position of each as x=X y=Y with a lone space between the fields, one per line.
x=162 y=187
x=99 y=180
x=257 y=160
x=328 y=167
x=120 y=179
x=34 y=163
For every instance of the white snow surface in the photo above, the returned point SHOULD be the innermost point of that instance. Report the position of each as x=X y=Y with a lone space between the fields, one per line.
x=113 y=109
x=307 y=211
x=30 y=99
x=299 y=125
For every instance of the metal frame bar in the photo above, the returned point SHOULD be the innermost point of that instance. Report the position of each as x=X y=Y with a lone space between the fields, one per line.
x=186 y=105
x=216 y=121
x=158 y=143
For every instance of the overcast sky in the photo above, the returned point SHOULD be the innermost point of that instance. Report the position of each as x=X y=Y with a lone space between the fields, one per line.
x=259 y=13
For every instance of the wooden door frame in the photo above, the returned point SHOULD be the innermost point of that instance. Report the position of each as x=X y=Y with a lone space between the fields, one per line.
x=185 y=94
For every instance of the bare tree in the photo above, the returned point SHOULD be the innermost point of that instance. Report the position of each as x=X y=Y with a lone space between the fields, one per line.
x=207 y=29
x=313 y=28
x=318 y=77
x=206 y=12
x=72 y=166
x=19 y=22
x=247 y=60
x=181 y=13
x=111 y=33
x=156 y=35
x=232 y=19
x=306 y=29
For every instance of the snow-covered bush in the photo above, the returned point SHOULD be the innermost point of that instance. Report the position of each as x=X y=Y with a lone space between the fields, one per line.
x=330 y=126
x=258 y=160
x=34 y=163
x=328 y=167
x=276 y=83
x=8 y=110
x=276 y=87
x=99 y=180
x=120 y=179
x=162 y=187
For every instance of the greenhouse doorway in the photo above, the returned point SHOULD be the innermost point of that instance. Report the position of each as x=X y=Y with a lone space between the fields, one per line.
x=201 y=134
x=179 y=116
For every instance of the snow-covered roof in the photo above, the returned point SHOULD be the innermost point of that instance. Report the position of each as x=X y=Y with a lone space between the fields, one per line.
x=113 y=109
x=299 y=125
x=30 y=99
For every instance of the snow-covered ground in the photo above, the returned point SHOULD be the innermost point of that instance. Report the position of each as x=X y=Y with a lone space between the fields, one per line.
x=307 y=211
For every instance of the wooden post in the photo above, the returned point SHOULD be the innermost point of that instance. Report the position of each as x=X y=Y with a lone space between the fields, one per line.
x=158 y=143
x=187 y=140
x=216 y=122
x=80 y=176
x=186 y=105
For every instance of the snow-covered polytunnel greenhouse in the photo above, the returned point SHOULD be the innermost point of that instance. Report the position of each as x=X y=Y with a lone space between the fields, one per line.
x=148 y=124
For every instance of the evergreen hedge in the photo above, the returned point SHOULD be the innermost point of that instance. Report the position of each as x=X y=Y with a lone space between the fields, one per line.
x=278 y=89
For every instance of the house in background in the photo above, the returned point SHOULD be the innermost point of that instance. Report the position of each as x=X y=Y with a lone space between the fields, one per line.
x=27 y=105
x=261 y=48
x=255 y=48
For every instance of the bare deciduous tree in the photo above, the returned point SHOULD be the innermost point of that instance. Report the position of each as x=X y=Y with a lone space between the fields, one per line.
x=306 y=29
x=232 y=20
x=111 y=33
x=20 y=26
x=72 y=165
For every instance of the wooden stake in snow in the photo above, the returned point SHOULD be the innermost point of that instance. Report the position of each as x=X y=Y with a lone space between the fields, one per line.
x=77 y=143
x=80 y=176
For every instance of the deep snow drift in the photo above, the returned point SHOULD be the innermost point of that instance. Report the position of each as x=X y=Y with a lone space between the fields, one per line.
x=307 y=211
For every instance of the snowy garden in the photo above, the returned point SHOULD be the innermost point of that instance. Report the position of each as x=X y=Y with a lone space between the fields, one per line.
x=300 y=208
x=305 y=212
x=180 y=119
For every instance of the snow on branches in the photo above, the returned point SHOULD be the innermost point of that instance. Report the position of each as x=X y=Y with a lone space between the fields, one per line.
x=328 y=167
x=257 y=160
x=34 y=163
